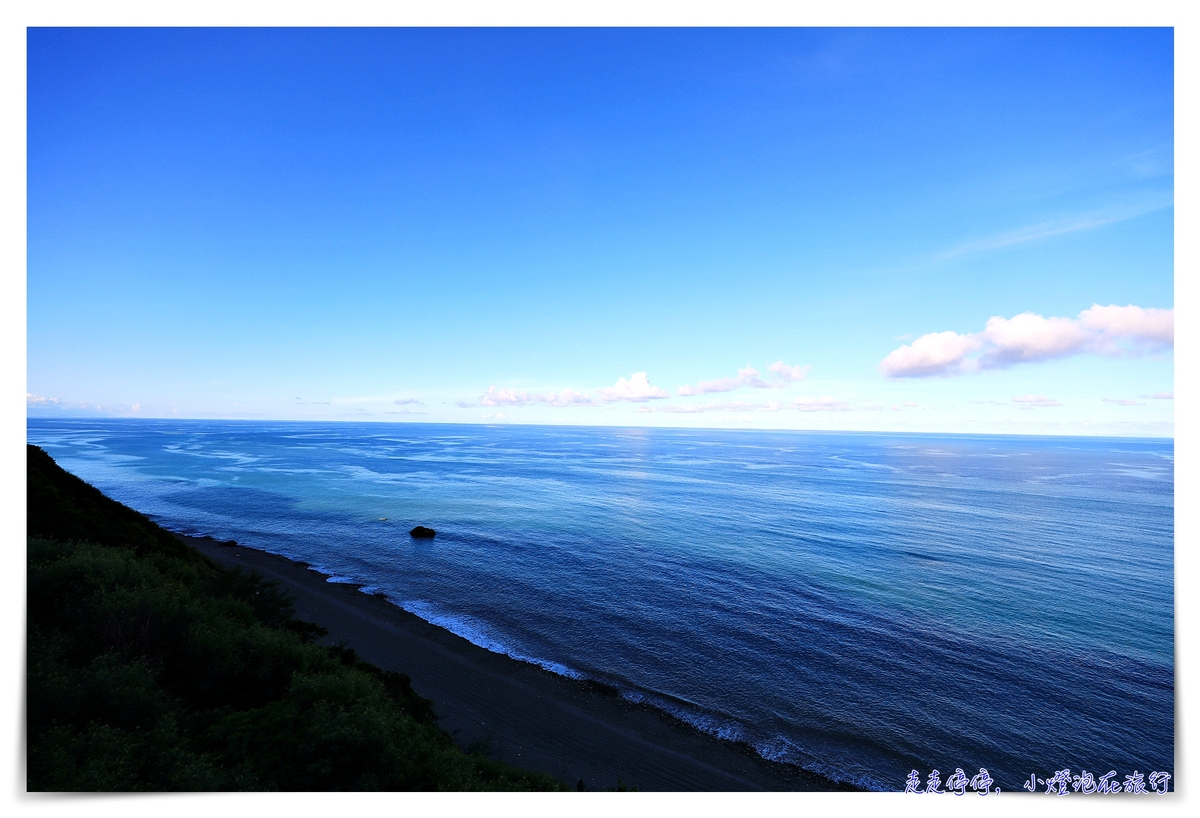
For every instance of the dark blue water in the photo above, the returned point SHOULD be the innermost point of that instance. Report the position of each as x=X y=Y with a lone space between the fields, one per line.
x=858 y=604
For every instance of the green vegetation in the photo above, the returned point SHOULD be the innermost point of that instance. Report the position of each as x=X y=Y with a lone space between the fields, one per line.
x=152 y=668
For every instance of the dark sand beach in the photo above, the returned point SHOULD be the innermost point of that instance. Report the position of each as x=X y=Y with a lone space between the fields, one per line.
x=520 y=713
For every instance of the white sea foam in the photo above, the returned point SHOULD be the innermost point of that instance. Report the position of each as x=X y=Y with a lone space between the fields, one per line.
x=777 y=749
x=722 y=728
x=478 y=633
x=330 y=574
x=783 y=751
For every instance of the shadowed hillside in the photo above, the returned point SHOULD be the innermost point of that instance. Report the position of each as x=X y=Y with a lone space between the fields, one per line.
x=151 y=668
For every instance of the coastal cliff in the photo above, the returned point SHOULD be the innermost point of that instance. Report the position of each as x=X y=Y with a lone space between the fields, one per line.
x=150 y=667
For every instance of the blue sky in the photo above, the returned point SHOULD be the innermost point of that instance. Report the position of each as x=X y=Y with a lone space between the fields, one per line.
x=925 y=230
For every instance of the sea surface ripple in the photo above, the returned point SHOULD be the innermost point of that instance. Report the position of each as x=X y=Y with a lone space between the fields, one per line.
x=861 y=605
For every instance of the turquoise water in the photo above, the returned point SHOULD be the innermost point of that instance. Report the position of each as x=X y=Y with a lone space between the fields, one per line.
x=857 y=604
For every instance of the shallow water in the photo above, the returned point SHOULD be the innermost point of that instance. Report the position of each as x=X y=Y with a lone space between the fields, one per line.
x=859 y=604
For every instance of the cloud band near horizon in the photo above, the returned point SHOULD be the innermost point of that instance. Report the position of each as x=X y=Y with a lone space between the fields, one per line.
x=638 y=389
x=634 y=389
x=748 y=376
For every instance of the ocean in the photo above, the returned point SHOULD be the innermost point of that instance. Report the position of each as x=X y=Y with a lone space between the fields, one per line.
x=860 y=605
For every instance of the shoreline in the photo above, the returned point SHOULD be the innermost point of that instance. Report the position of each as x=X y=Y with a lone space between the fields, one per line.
x=577 y=731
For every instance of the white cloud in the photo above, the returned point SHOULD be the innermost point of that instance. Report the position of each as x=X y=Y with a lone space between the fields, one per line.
x=405 y=402
x=791 y=374
x=938 y=353
x=1028 y=337
x=1148 y=329
x=1160 y=396
x=636 y=389
x=1034 y=401
x=37 y=400
x=1124 y=401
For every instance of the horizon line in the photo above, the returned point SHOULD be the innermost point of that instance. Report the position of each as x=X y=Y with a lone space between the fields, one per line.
x=1170 y=437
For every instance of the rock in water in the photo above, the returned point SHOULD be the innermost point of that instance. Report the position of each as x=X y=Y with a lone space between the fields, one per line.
x=422 y=533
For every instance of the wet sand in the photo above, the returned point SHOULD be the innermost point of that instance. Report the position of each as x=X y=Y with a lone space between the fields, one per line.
x=516 y=711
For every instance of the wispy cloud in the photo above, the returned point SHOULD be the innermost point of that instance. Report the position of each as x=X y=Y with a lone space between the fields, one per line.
x=373 y=399
x=360 y=399
x=821 y=404
x=515 y=397
x=1004 y=342
x=719 y=406
x=1034 y=401
x=1055 y=227
x=1124 y=401
x=1160 y=396
x=635 y=389
x=41 y=403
